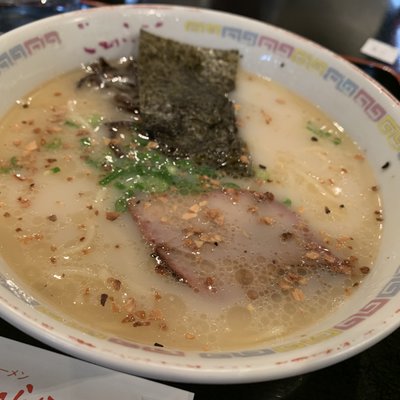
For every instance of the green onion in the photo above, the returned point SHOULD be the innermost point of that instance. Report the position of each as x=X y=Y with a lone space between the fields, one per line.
x=56 y=143
x=323 y=133
x=230 y=185
x=112 y=176
x=55 y=170
x=71 y=124
x=14 y=162
x=12 y=166
x=287 y=202
x=262 y=174
x=142 y=169
x=141 y=141
x=85 y=141
x=121 y=205
x=95 y=121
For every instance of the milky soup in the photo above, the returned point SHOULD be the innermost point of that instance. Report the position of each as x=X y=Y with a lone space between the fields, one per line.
x=107 y=268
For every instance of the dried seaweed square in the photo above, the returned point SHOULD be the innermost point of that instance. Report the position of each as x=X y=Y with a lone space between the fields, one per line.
x=184 y=104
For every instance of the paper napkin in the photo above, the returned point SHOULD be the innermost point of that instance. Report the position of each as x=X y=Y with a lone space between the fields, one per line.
x=27 y=372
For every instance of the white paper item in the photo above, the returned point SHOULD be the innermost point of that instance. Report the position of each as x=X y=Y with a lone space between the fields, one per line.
x=27 y=372
x=380 y=50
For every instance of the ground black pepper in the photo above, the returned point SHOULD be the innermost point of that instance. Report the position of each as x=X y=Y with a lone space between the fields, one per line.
x=103 y=299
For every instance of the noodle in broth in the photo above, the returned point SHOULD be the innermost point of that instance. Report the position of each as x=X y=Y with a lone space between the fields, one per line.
x=62 y=237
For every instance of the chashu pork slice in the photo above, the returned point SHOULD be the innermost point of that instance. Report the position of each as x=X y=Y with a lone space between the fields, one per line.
x=222 y=242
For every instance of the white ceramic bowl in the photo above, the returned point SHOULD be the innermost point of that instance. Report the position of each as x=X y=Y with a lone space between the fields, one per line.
x=37 y=52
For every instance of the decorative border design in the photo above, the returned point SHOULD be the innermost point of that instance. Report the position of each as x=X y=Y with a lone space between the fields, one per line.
x=391 y=130
x=391 y=289
x=369 y=309
x=27 y=49
x=370 y=106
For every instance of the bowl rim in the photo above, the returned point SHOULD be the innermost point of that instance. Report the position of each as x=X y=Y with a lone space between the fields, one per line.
x=181 y=373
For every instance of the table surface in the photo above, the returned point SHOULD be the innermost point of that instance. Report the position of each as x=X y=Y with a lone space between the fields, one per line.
x=342 y=26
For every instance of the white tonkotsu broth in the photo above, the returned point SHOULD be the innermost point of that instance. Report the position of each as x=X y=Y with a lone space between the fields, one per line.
x=59 y=235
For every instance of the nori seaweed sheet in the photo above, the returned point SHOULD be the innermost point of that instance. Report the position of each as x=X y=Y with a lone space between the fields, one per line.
x=184 y=104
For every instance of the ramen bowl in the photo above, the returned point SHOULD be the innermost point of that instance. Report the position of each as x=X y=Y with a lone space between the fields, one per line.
x=37 y=52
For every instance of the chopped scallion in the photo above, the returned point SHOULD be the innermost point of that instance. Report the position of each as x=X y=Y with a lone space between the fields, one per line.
x=287 y=202
x=86 y=141
x=323 y=133
x=95 y=121
x=71 y=124
x=56 y=143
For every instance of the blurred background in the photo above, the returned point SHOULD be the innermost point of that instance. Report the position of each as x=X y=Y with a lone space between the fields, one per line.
x=342 y=26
